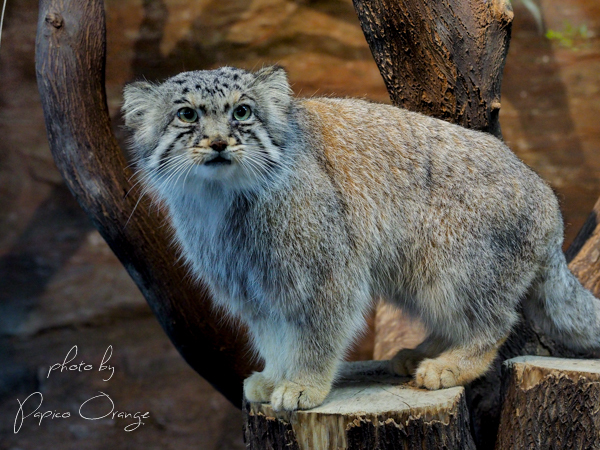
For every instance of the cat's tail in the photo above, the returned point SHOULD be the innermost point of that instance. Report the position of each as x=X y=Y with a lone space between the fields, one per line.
x=562 y=307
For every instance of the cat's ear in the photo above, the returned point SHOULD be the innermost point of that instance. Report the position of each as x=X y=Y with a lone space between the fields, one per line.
x=144 y=112
x=271 y=83
x=138 y=98
x=272 y=88
x=273 y=76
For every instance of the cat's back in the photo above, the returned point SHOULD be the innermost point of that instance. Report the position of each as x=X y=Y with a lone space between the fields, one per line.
x=369 y=137
x=396 y=165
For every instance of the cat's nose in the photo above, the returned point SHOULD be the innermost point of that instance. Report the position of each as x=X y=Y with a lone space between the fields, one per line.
x=218 y=145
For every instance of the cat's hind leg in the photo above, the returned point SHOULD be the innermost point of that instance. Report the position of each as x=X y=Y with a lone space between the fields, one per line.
x=406 y=361
x=456 y=366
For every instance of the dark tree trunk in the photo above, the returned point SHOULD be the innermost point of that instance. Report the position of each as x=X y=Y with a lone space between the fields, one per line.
x=584 y=253
x=70 y=58
x=441 y=58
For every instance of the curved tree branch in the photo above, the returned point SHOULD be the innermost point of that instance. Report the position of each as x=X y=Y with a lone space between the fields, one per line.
x=70 y=59
x=584 y=253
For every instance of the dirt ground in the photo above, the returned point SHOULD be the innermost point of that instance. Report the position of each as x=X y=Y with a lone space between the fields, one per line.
x=60 y=286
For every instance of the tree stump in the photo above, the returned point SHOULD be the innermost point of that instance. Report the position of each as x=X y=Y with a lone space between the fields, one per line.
x=368 y=408
x=550 y=403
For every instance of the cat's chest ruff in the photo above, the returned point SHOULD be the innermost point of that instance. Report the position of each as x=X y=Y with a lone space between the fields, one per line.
x=218 y=241
x=211 y=225
x=233 y=262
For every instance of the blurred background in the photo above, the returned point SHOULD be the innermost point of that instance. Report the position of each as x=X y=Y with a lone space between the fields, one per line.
x=61 y=286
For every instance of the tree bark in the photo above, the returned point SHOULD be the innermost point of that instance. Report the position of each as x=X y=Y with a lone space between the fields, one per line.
x=367 y=409
x=70 y=61
x=442 y=58
x=584 y=253
x=550 y=403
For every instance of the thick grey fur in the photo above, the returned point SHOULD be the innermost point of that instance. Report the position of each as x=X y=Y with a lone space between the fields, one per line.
x=329 y=203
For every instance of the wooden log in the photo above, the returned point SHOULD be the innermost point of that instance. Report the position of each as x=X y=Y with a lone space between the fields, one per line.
x=550 y=403
x=70 y=62
x=367 y=409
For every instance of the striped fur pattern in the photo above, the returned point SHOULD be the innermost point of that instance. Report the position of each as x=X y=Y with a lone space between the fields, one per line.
x=298 y=212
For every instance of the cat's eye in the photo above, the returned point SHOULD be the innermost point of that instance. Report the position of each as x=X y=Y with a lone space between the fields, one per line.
x=188 y=115
x=242 y=112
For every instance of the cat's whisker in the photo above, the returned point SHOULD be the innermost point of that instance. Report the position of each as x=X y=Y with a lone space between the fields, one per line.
x=187 y=173
x=173 y=160
x=133 y=210
x=141 y=179
x=141 y=176
x=181 y=166
x=256 y=169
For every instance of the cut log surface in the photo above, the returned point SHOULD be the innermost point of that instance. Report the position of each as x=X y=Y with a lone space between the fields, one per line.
x=367 y=409
x=550 y=403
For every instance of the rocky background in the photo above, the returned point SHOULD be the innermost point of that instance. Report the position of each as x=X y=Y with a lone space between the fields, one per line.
x=60 y=285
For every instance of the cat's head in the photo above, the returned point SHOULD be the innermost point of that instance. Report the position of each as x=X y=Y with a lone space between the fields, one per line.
x=224 y=126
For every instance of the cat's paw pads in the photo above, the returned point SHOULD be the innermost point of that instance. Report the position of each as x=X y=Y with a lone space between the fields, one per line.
x=406 y=361
x=290 y=396
x=432 y=374
x=258 y=388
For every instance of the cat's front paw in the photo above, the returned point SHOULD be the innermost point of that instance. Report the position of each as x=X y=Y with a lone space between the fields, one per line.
x=433 y=374
x=290 y=396
x=258 y=388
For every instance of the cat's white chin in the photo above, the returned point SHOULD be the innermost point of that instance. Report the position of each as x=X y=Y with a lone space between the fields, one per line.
x=228 y=176
x=215 y=171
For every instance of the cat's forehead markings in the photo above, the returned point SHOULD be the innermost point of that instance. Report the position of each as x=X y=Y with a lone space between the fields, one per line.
x=198 y=100
x=236 y=96
x=245 y=96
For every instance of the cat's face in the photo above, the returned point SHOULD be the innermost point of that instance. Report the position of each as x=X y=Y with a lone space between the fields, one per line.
x=224 y=126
